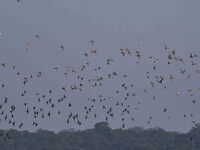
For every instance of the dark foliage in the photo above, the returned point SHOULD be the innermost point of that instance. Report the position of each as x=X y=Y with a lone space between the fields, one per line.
x=102 y=137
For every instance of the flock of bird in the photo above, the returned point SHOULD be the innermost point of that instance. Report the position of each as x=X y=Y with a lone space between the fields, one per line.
x=114 y=101
x=108 y=95
x=120 y=99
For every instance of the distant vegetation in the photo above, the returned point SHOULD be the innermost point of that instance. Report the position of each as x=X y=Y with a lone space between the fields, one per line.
x=102 y=137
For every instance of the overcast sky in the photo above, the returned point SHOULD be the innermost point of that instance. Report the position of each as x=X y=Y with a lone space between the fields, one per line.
x=113 y=24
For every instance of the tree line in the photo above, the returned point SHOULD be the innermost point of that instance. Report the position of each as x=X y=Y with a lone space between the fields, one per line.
x=101 y=137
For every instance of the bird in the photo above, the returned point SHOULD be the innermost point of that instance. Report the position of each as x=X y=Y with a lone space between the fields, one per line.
x=62 y=47
x=28 y=46
x=165 y=47
x=92 y=42
x=37 y=36
x=93 y=51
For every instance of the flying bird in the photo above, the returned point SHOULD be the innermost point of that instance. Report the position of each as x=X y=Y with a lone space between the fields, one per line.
x=62 y=47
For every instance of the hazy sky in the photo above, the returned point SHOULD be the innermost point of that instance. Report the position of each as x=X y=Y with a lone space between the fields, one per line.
x=112 y=24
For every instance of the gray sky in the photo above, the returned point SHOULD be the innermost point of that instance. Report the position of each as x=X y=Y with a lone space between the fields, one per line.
x=112 y=24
